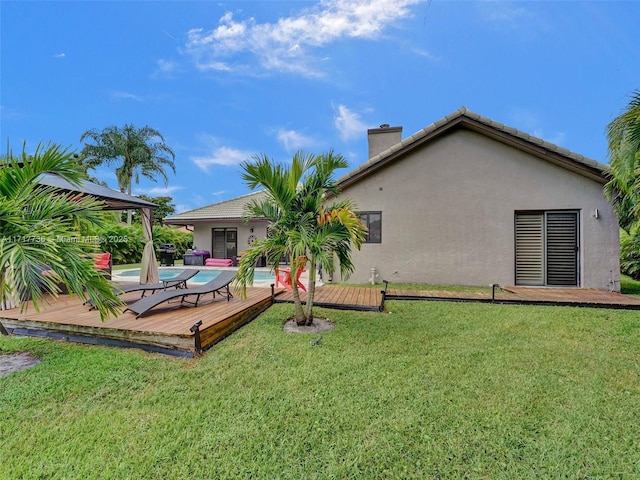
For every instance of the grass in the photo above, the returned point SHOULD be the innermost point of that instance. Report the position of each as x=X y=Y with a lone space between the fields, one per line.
x=427 y=390
x=629 y=286
x=419 y=286
x=126 y=266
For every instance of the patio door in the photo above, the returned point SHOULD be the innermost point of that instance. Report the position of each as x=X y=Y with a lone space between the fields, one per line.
x=225 y=243
x=547 y=246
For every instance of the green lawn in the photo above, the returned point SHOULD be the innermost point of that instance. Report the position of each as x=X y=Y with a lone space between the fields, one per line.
x=629 y=286
x=427 y=390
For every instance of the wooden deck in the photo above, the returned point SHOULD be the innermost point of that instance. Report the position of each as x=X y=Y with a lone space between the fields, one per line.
x=166 y=329
x=342 y=297
x=577 y=297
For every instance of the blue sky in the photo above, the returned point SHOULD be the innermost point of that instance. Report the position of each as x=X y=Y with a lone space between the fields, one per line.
x=223 y=81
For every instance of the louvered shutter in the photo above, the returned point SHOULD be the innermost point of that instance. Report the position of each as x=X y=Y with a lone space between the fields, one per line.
x=529 y=249
x=562 y=248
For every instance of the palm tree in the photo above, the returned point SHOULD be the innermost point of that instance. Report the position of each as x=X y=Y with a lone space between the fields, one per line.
x=300 y=224
x=135 y=151
x=623 y=189
x=41 y=247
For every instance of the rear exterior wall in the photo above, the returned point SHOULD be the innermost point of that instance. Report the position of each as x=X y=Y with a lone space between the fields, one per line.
x=448 y=214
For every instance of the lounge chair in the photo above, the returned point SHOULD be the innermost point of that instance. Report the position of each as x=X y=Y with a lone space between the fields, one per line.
x=283 y=275
x=219 y=285
x=179 y=281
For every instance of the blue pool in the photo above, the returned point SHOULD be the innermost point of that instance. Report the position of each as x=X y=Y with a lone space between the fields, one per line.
x=202 y=277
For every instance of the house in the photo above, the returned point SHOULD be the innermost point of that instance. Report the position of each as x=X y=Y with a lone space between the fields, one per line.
x=465 y=201
x=470 y=201
x=221 y=228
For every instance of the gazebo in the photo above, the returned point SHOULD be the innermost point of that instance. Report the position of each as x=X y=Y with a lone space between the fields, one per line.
x=115 y=200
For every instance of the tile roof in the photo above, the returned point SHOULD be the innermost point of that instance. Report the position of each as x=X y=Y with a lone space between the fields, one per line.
x=467 y=119
x=232 y=209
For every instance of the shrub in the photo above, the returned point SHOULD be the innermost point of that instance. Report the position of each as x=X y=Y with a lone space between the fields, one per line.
x=630 y=253
x=182 y=240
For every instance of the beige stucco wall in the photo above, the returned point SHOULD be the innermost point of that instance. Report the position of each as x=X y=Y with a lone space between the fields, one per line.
x=448 y=214
x=202 y=237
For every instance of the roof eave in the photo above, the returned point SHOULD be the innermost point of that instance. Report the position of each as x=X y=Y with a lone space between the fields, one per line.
x=194 y=221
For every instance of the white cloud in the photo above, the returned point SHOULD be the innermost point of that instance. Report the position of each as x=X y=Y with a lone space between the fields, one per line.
x=196 y=201
x=511 y=16
x=530 y=122
x=348 y=123
x=165 y=66
x=59 y=55
x=182 y=207
x=220 y=66
x=292 y=140
x=126 y=96
x=288 y=44
x=426 y=54
x=502 y=12
x=9 y=114
x=224 y=156
x=159 y=191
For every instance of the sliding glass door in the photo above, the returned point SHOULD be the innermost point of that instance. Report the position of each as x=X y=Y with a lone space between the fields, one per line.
x=225 y=243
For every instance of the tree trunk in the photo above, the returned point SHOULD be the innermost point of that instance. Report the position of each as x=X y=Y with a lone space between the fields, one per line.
x=129 y=212
x=311 y=290
x=297 y=302
x=299 y=317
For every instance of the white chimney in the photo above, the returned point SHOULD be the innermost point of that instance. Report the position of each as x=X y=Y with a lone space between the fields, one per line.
x=383 y=138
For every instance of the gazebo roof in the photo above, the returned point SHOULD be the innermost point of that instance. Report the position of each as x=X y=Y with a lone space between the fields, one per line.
x=113 y=199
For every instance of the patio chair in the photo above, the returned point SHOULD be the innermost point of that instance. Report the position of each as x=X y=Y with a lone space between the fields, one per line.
x=103 y=263
x=283 y=275
x=179 y=281
x=219 y=285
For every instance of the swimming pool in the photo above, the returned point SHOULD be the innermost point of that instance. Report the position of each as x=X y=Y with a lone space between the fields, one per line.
x=264 y=277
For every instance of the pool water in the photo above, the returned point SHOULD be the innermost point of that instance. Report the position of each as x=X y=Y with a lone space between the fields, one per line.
x=203 y=276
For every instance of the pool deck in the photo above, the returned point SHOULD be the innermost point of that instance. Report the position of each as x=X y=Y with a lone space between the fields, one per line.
x=169 y=329
x=341 y=297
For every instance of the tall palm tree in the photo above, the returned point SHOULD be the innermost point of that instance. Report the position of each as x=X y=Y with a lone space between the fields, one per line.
x=623 y=189
x=134 y=151
x=40 y=242
x=300 y=224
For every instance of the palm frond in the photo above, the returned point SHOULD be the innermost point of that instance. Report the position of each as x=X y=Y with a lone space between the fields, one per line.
x=299 y=224
x=38 y=224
